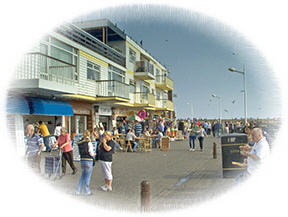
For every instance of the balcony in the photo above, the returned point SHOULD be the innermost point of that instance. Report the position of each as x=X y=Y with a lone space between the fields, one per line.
x=163 y=82
x=144 y=70
x=142 y=99
x=112 y=90
x=78 y=35
x=38 y=72
x=164 y=105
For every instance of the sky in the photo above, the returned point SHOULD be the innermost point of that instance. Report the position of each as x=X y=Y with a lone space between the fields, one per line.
x=198 y=51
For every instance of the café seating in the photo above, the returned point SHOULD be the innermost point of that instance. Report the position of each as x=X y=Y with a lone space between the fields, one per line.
x=146 y=144
x=128 y=146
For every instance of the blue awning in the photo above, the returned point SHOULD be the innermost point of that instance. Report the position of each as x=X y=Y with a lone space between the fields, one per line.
x=17 y=105
x=41 y=106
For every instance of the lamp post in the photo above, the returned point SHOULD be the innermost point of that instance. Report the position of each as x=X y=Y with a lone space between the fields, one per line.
x=231 y=69
x=215 y=96
x=191 y=107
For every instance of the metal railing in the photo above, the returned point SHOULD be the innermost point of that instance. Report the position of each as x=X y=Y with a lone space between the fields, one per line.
x=41 y=66
x=81 y=37
x=115 y=88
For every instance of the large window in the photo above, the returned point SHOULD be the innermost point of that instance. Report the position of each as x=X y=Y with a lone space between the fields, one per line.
x=61 y=51
x=93 y=71
x=116 y=74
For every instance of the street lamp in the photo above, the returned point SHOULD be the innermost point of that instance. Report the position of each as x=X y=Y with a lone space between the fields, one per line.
x=231 y=69
x=191 y=107
x=215 y=96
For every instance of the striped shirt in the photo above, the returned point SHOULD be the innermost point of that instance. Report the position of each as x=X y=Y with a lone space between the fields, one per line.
x=34 y=144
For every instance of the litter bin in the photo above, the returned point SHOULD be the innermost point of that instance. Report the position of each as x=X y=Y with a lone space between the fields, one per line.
x=231 y=153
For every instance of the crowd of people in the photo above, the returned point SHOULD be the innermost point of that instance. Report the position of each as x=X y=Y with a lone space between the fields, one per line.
x=256 y=151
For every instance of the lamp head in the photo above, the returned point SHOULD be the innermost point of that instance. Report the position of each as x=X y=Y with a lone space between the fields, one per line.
x=231 y=69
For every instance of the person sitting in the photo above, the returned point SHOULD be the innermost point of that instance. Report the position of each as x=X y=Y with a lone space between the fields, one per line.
x=131 y=137
x=146 y=133
x=157 y=138
x=115 y=131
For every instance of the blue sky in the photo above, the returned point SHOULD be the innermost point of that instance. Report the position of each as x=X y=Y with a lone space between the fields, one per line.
x=198 y=51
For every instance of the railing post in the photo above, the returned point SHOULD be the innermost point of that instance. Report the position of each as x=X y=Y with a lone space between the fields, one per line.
x=145 y=196
x=214 y=150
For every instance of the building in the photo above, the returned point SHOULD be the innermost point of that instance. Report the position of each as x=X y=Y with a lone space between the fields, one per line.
x=88 y=73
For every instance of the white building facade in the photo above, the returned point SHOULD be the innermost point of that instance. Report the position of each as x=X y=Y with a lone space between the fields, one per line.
x=88 y=73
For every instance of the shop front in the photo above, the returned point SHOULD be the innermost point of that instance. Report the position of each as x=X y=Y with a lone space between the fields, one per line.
x=82 y=119
x=103 y=116
x=22 y=111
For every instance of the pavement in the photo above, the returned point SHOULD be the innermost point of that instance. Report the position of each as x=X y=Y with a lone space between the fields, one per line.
x=178 y=178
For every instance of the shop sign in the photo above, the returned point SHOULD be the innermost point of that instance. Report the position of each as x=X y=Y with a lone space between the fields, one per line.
x=105 y=110
x=81 y=111
x=121 y=112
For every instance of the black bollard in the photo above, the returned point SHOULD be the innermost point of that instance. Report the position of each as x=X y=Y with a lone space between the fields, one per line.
x=214 y=150
x=145 y=196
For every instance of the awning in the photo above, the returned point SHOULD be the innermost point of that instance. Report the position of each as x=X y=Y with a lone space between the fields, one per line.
x=41 y=106
x=17 y=105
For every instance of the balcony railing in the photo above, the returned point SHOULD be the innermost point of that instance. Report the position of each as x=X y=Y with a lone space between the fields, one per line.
x=168 y=105
x=144 y=70
x=164 y=104
x=40 y=66
x=143 y=98
x=164 y=82
x=78 y=35
x=108 y=88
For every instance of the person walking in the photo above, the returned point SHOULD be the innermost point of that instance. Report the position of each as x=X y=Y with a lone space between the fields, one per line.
x=201 y=133
x=86 y=159
x=193 y=136
x=35 y=145
x=43 y=129
x=64 y=144
x=217 y=129
x=106 y=150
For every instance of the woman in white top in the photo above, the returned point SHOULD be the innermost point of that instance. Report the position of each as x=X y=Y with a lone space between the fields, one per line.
x=201 y=134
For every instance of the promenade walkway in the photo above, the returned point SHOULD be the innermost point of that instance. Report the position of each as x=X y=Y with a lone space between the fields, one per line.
x=178 y=178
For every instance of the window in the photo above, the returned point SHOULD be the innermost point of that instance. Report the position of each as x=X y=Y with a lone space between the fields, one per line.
x=132 y=56
x=157 y=95
x=164 y=95
x=145 y=86
x=93 y=71
x=132 y=86
x=61 y=51
x=116 y=74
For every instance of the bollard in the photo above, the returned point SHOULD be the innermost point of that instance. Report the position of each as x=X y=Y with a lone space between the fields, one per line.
x=214 y=150
x=145 y=196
